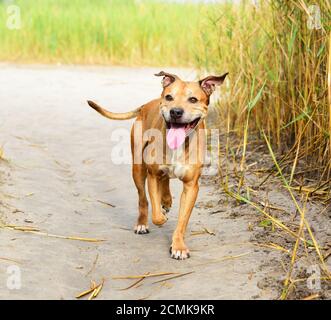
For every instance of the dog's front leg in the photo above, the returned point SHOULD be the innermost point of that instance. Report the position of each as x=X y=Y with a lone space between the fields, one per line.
x=178 y=248
x=154 y=189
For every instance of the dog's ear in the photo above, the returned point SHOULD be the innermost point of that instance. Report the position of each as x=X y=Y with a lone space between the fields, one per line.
x=208 y=84
x=168 y=78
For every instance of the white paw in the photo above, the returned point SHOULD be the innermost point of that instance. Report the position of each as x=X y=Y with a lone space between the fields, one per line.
x=141 y=229
x=180 y=254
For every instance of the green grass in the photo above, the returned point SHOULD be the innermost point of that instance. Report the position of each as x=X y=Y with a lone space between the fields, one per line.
x=126 y=32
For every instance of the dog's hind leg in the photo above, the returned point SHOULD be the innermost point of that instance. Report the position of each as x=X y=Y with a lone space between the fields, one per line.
x=166 y=198
x=139 y=173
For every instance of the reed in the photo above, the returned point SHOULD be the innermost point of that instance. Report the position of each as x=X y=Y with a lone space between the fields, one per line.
x=279 y=95
x=273 y=53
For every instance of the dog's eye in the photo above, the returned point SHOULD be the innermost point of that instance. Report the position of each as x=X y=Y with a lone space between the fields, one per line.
x=169 y=97
x=193 y=100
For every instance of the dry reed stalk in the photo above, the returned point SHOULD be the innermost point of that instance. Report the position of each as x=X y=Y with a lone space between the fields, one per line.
x=36 y=231
x=329 y=87
x=147 y=275
x=294 y=253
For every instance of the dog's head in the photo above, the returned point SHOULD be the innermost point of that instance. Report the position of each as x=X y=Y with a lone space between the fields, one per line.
x=185 y=104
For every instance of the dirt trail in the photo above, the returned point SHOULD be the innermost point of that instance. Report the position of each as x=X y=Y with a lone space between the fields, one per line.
x=59 y=173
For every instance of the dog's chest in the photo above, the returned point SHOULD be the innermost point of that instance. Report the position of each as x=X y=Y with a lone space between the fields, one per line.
x=174 y=171
x=177 y=167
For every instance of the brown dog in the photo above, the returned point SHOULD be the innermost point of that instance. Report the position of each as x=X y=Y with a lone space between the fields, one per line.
x=164 y=139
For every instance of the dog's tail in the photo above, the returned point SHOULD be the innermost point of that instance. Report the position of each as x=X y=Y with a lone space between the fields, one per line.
x=112 y=115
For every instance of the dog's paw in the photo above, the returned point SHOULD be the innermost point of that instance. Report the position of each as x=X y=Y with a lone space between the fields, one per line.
x=180 y=254
x=160 y=219
x=141 y=229
x=165 y=210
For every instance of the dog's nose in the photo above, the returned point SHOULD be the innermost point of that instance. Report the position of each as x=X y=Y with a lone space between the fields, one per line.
x=176 y=113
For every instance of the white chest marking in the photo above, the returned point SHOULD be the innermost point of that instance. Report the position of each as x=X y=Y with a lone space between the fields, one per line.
x=176 y=168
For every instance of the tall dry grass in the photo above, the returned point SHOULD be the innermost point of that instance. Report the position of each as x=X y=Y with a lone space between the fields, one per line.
x=279 y=82
x=279 y=94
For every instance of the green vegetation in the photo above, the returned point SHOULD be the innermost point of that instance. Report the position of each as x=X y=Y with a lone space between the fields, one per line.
x=104 y=32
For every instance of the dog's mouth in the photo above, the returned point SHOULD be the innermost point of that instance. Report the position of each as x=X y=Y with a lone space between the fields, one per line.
x=177 y=132
x=187 y=127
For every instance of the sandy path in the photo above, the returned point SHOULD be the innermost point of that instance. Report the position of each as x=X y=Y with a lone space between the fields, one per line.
x=60 y=166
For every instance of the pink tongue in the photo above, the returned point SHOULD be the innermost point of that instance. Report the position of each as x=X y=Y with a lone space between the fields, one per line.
x=175 y=137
